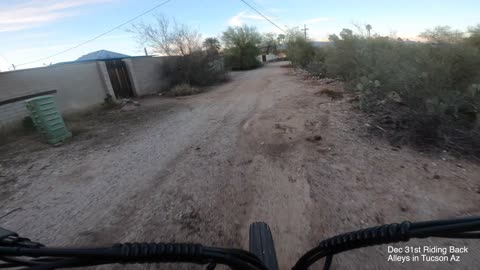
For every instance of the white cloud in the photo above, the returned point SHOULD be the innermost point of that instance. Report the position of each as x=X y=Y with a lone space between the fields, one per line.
x=30 y=14
x=243 y=18
x=317 y=20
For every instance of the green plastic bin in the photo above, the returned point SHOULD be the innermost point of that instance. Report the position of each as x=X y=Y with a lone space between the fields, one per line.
x=47 y=119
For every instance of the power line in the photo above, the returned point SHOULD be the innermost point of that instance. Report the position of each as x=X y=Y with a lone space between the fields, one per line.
x=267 y=13
x=266 y=18
x=4 y=58
x=99 y=36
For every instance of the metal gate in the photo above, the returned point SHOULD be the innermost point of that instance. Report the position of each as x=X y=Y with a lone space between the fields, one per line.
x=117 y=71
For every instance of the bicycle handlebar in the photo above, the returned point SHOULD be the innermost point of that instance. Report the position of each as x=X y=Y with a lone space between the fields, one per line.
x=129 y=253
x=386 y=234
x=13 y=248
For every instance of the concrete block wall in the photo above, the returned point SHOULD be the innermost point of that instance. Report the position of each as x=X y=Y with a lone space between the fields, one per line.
x=146 y=74
x=13 y=112
x=79 y=86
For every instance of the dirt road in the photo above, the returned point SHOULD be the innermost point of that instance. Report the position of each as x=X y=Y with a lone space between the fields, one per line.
x=267 y=146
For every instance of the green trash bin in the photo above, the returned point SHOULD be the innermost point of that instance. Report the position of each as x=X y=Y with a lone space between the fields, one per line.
x=47 y=119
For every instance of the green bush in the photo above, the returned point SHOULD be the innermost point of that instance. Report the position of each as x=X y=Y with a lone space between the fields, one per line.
x=242 y=58
x=429 y=93
x=299 y=50
x=242 y=47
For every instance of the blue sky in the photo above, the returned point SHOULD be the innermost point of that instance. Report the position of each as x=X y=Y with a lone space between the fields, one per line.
x=33 y=29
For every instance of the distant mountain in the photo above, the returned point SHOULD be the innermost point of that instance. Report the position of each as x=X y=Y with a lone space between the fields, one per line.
x=101 y=55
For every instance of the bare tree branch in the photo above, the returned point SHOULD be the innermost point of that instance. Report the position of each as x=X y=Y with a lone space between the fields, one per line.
x=167 y=38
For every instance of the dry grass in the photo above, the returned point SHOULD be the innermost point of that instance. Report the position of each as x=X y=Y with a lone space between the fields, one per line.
x=183 y=89
x=331 y=93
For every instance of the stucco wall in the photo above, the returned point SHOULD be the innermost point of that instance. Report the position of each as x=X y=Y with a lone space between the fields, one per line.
x=146 y=74
x=79 y=86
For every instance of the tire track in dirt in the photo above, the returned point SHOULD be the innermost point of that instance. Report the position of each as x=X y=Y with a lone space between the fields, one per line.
x=276 y=173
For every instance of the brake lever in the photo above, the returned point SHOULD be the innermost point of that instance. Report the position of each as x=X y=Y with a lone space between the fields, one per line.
x=4 y=233
x=11 y=239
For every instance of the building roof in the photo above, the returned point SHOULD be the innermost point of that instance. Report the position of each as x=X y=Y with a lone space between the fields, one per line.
x=101 y=55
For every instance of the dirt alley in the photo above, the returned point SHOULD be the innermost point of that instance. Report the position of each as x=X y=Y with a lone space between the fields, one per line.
x=267 y=146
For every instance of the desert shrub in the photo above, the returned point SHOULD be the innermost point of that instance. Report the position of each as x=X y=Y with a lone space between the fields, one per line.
x=200 y=68
x=473 y=38
x=203 y=68
x=316 y=65
x=428 y=93
x=299 y=50
x=27 y=123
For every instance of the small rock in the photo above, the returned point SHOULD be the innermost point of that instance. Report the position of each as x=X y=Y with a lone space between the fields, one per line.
x=401 y=166
x=315 y=138
x=444 y=159
x=477 y=190
x=376 y=148
x=136 y=103
x=395 y=149
x=459 y=165
x=197 y=148
x=262 y=143
x=436 y=177
x=425 y=167
x=403 y=208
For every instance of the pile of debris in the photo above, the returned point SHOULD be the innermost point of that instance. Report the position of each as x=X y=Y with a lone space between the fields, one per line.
x=127 y=104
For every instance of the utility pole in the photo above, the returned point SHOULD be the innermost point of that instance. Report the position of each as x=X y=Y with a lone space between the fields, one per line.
x=13 y=65
x=305 y=30
x=145 y=49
